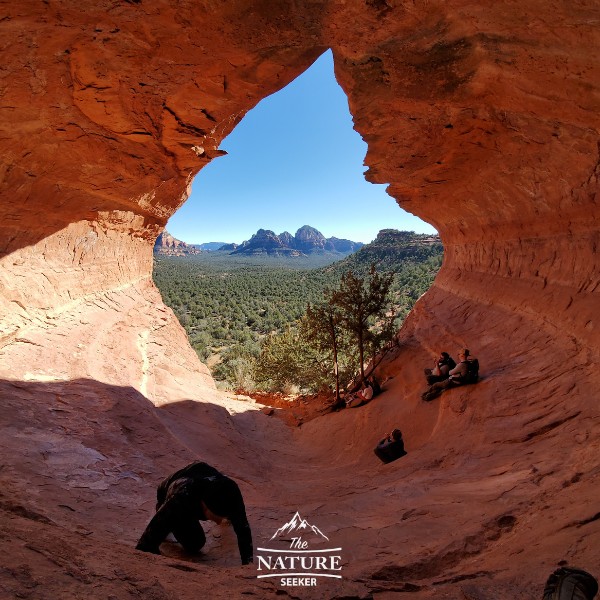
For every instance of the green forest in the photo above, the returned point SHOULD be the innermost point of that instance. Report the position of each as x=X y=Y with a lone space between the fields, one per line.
x=231 y=307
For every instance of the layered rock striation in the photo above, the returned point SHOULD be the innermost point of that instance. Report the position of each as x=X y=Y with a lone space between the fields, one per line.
x=484 y=122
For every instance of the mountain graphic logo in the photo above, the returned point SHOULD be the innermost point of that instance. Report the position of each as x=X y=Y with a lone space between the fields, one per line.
x=298 y=525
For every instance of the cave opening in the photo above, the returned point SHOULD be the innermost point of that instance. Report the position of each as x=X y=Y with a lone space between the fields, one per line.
x=294 y=159
x=500 y=480
x=282 y=213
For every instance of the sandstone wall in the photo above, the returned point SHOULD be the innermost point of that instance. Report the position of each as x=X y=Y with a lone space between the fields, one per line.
x=483 y=121
x=109 y=110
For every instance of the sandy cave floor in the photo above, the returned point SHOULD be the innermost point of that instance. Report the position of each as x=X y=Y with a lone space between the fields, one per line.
x=85 y=459
x=500 y=482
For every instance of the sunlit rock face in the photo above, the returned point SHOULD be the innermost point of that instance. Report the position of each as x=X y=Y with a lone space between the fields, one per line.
x=487 y=127
x=167 y=245
x=308 y=238
x=484 y=121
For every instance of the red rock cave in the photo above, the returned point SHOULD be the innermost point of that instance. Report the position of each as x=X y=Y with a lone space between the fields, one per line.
x=482 y=118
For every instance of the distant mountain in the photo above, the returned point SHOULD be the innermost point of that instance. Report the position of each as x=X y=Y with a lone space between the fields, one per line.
x=265 y=241
x=210 y=246
x=390 y=249
x=167 y=245
x=307 y=240
x=229 y=247
x=342 y=246
x=287 y=238
x=387 y=250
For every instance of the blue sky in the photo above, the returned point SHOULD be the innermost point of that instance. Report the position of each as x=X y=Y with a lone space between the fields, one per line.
x=293 y=160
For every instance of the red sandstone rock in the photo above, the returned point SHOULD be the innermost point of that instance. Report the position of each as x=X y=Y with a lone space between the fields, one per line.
x=484 y=121
x=167 y=245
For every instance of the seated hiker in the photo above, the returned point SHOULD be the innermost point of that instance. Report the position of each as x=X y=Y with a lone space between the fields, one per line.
x=567 y=583
x=196 y=493
x=361 y=397
x=391 y=447
x=466 y=371
x=441 y=369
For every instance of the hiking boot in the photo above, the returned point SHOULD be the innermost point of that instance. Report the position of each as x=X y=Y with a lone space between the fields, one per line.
x=570 y=584
x=145 y=548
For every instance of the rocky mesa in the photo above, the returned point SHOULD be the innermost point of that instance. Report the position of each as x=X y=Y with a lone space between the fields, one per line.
x=167 y=245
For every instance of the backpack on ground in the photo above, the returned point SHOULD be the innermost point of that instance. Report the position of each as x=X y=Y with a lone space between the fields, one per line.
x=570 y=584
x=472 y=375
x=376 y=387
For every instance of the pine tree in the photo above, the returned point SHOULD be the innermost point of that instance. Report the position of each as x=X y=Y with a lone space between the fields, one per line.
x=286 y=359
x=360 y=302
x=321 y=329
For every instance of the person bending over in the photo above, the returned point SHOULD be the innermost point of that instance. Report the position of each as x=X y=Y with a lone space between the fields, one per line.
x=196 y=493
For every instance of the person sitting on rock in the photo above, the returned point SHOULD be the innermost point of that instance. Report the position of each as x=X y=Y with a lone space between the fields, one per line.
x=441 y=369
x=196 y=493
x=391 y=447
x=361 y=397
x=456 y=376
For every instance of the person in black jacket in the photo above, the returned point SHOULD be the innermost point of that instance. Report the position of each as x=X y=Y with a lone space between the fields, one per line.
x=391 y=447
x=196 y=493
x=467 y=371
x=441 y=369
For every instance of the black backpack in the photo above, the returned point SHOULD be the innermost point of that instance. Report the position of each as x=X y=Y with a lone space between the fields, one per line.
x=570 y=584
x=376 y=387
x=472 y=375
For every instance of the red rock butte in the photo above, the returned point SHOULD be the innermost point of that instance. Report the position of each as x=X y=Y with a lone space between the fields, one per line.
x=483 y=118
